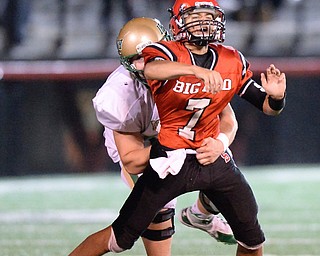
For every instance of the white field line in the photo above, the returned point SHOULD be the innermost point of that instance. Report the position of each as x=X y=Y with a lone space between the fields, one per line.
x=178 y=242
x=269 y=241
x=298 y=227
x=56 y=185
x=102 y=215
x=65 y=216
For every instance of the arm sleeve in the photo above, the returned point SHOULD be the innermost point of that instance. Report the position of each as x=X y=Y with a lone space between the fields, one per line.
x=253 y=93
x=250 y=90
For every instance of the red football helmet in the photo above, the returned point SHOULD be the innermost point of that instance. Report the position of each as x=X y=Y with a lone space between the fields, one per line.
x=208 y=31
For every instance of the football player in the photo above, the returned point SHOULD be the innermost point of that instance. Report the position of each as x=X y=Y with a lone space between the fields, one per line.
x=124 y=106
x=192 y=79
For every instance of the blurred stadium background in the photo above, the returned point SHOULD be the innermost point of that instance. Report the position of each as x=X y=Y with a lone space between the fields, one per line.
x=56 y=177
x=55 y=54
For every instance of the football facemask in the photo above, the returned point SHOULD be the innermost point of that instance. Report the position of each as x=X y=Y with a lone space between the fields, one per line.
x=197 y=22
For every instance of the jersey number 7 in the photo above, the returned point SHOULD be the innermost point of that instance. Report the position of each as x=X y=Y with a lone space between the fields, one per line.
x=193 y=104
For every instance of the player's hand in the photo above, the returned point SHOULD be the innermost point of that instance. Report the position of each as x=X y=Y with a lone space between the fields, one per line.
x=274 y=82
x=209 y=151
x=212 y=80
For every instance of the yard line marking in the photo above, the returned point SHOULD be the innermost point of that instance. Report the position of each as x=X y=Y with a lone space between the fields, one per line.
x=293 y=227
x=70 y=216
x=270 y=241
x=293 y=241
x=99 y=215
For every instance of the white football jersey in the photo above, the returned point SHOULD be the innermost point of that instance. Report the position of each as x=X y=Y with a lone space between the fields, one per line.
x=124 y=104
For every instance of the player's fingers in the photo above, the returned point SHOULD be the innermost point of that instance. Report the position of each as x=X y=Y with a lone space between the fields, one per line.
x=204 y=160
x=211 y=87
x=282 y=76
x=217 y=82
x=212 y=83
x=263 y=79
x=205 y=142
x=276 y=72
x=201 y=157
x=273 y=70
x=269 y=70
x=206 y=84
x=200 y=150
x=272 y=67
x=207 y=160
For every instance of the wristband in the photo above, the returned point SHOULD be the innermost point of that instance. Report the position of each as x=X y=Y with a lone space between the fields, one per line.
x=277 y=104
x=224 y=139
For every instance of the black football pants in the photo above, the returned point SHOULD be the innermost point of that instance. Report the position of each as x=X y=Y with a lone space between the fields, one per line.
x=222 y=182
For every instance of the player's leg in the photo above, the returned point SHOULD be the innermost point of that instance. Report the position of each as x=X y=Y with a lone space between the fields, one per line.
x=242 y=251
x=95 y=244
x=233 y=196
x=203 y=215
x=157 y=239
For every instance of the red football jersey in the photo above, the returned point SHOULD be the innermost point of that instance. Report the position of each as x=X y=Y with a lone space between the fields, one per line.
x=189 y=114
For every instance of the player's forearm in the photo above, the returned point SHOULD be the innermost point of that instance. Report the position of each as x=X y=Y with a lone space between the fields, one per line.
x=212 y=148
x=273 y=107
x=133 y=154
x=136 y=161
x=166 y=70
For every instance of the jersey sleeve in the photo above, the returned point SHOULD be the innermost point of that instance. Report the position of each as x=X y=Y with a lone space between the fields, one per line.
x=123 y=104
x=158 y=51
x=250 y=90
x=116 y=106
x=111 y=145
x=246 y=73
x=115 y=114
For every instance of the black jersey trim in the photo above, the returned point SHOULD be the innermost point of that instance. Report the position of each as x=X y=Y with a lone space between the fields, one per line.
x=165 y=50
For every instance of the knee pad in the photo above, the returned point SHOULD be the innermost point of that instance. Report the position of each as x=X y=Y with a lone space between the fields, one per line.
x=164 y=216
x=159 y=235
x=207 y=204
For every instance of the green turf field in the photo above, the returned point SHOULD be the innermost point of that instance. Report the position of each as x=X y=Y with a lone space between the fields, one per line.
x=50 y=215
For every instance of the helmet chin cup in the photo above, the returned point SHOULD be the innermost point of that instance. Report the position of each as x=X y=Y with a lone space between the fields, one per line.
x=198 y=40
x=201 y=42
